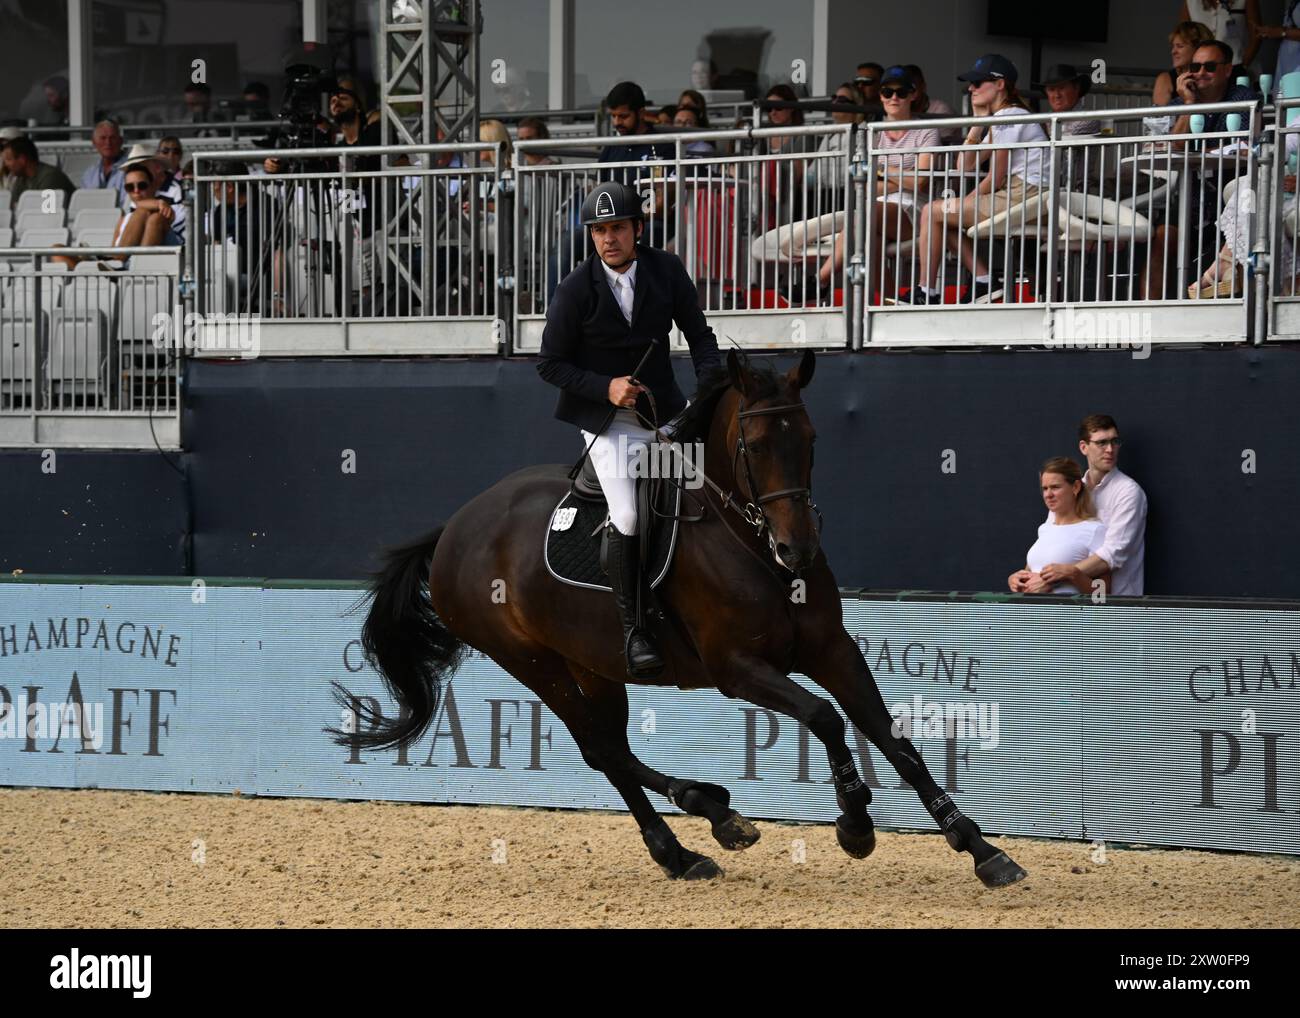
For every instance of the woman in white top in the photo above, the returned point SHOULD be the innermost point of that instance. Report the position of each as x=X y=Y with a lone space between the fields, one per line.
x=1071 y=534
x=903 y=179
x=1014 y=176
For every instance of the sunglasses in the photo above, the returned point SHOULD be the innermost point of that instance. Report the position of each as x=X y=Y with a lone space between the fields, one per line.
x=843 y=100
x=169 y=151
x=891 y=93
x=1210 y=66
x=138 y=186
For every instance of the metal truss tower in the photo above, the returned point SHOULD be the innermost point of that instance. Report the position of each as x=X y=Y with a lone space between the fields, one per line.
x=429 y=78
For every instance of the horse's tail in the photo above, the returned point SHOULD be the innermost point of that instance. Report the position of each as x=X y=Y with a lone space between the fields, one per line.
x=406 y=642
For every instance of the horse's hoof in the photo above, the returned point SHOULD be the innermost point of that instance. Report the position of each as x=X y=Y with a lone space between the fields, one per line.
x=856 y=840
x=999 y=871
x=703 y=869
x=735 y=833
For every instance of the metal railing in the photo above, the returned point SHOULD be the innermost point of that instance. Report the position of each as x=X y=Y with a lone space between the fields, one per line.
x=1071 y=220
x=323 y=241
x=1110 y=219
x=97 y=343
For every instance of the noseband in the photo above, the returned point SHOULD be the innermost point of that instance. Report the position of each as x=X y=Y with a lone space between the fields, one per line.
x=753 y=510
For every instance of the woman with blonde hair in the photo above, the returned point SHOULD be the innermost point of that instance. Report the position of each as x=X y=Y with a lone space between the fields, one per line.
x=493 y=132
x=1071 y=534
x=1183 y=42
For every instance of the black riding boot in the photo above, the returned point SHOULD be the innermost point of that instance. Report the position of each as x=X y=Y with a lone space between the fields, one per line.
x=623 y=567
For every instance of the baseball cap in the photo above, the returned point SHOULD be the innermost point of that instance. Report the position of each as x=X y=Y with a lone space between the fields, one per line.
x=989 y=67
x=897 y=75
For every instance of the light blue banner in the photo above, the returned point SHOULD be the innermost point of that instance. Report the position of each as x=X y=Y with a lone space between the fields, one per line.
x=1157 y=725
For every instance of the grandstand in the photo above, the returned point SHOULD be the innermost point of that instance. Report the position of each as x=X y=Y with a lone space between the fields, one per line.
x=421 y=245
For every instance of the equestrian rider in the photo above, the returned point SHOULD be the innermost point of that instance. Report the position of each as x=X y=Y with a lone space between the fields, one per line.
x=605 y=315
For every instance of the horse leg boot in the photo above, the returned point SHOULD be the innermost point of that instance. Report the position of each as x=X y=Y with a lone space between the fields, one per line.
x=623 y=567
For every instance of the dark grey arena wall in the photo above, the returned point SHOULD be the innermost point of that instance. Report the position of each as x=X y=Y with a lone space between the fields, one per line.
x=267 y=441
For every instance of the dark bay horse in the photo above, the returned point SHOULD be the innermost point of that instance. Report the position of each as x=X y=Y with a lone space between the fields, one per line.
x=731 y=623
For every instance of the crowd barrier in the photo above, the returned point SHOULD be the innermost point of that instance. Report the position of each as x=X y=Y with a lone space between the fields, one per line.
x=101 y=343
x=1159 y=724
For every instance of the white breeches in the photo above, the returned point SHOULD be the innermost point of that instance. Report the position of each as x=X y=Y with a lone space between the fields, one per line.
x=612 y=455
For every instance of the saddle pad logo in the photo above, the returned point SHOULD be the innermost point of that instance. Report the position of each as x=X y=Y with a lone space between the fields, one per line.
x=564 y=518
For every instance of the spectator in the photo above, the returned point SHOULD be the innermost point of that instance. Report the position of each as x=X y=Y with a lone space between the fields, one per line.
x=198 y=108
x=28 y=173
x=1184 y=40
x=7 y=134
x=826 y=172
x=257 y=101
x=1065 y=87
x=902 y=177
x=534 y=129
x=664 y=118
x=1122 y=508
x=171 y=155
x=625 y=105
x=1288 y=52
x=232 y=219
x=350 y=83
x=167 y=187
x=1071 y=536
x=147 y=220
x=704 y=74
x=493 y=132
x=1221 y=279
x=692 y=99
x=868 y=81
x=688 y=118
x=1235 y=27
x=781 y=182
x=107 y=170
x=926 y=106
x=56 y=100
x=1206 y=80
x=1014 y=176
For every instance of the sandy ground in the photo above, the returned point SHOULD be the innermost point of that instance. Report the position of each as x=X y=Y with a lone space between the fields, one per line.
x=110 y=859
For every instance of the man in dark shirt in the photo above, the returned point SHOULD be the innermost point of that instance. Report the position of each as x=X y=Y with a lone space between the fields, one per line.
x=1208 y=79
x=28 y=173
x=626 y=107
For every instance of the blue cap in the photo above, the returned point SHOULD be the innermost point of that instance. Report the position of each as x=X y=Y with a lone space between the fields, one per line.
x=989 y=67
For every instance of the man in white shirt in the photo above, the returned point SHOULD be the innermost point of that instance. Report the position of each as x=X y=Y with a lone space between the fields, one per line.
x=1121 y=505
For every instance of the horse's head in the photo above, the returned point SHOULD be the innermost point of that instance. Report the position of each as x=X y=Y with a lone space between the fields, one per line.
x=771 y=436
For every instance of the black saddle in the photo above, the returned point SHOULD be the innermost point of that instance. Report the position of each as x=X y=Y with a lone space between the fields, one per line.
x=573 y=535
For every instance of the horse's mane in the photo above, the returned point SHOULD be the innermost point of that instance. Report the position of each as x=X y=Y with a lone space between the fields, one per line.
x=697 y=418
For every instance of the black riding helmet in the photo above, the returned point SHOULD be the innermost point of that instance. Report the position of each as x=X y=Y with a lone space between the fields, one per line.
x=610 y=202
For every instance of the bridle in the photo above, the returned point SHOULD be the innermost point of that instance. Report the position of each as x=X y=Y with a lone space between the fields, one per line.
x=753 y=509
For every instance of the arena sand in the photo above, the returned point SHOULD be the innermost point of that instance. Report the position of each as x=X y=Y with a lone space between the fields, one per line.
x=89 y=858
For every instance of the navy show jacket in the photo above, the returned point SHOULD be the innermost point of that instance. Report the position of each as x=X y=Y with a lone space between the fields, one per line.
x=587 y=342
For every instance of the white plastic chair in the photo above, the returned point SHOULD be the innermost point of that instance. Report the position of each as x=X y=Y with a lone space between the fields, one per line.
x=91 y=198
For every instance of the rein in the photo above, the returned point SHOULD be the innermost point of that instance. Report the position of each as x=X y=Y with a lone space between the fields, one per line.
x=752 y=510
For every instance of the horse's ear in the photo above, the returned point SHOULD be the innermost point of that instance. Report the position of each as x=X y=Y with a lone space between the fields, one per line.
x=802 y=374
x=736 y=372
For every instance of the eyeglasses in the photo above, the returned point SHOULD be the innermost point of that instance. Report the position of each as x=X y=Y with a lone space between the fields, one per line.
x=1209 y=66
x=895 y=93
x=1108 y=443
x=138 y=186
